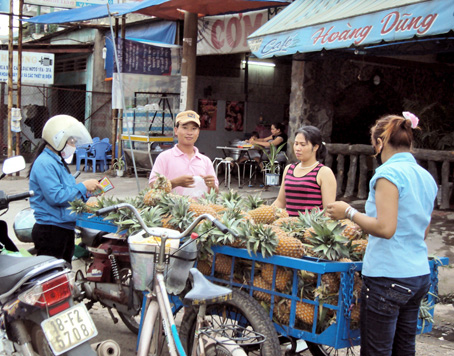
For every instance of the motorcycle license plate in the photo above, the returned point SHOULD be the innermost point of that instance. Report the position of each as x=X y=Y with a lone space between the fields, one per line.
x=69 y=329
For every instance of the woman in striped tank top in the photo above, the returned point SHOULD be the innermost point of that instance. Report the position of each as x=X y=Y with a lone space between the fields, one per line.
x=308 y=183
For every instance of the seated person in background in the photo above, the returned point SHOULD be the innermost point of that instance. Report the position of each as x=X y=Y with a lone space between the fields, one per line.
x=183 y=163
x=277 y=138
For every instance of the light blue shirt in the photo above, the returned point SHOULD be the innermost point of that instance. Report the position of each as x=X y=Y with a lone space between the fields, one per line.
x=54 y=188
x=405 y=254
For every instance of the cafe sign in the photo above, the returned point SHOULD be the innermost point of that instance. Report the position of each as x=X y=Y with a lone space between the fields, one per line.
x=388 y=25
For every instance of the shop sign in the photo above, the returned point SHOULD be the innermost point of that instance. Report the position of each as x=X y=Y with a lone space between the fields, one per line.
x=228 y=33
x=388 y=25
x=37 y=68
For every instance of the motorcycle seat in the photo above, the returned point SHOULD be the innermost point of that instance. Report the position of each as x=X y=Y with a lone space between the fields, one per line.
x=13 y=269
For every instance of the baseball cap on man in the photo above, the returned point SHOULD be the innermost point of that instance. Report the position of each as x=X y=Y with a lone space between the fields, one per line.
x=188 y=116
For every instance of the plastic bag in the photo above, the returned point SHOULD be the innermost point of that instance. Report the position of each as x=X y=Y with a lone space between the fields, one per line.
x=199 y=188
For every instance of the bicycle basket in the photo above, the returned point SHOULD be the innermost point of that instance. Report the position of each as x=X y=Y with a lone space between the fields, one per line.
x=142 y=250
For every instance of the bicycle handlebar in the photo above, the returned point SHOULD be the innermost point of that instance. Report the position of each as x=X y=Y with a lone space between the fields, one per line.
x=150 y=231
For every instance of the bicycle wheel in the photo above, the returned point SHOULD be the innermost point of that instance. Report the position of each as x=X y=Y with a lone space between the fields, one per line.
x=323 y=350
x=217 y=350
x=242 y=310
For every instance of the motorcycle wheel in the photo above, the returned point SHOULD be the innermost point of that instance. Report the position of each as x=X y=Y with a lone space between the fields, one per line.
x=39 y=342
x=132 y=322
x=323 y=350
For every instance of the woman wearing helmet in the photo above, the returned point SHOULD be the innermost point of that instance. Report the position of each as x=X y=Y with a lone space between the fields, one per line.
x=55 y=187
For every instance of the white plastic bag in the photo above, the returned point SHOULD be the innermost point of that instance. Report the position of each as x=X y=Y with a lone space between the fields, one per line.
x=199 y=188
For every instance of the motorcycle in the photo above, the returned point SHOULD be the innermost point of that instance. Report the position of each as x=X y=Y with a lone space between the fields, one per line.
x=102 y=270
x=37 y=312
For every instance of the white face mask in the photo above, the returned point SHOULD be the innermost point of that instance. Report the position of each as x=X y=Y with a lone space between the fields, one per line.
x=68 y=151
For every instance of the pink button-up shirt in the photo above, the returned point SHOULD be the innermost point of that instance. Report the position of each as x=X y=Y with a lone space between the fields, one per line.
x=174 y=163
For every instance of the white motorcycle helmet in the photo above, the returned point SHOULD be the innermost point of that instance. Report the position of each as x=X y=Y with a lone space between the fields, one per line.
x=58 y=129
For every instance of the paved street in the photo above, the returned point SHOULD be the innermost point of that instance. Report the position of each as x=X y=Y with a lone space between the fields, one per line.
x=440 y=241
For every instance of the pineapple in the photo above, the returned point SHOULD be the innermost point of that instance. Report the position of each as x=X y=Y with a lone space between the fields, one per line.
x=253 y=202
x=327 y=240
x=223 y=264
x=331 y=283
x=162 y=183
x=264 y=214
x=152 y=197
x=287 y=245
x=352 y=231
x=283 y=276
x=260 y=238
x=260 y=282
x=180 y=217
x=199 y=209
x=359 y=246
x=305 y=312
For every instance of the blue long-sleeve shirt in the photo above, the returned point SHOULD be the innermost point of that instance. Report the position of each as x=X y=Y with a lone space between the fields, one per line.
x=54 y=188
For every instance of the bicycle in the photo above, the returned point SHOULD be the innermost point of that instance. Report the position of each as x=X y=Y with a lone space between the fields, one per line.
x=158 y=323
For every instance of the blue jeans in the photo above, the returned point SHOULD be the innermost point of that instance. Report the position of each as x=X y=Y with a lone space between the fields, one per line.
x=389 y=314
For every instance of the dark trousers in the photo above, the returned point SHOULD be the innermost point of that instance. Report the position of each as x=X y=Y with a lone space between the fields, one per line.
x=54 y=241
x=389 y=314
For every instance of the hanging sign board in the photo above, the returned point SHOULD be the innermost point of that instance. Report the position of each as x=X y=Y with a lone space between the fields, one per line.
x=228 y=33
x=37 y=68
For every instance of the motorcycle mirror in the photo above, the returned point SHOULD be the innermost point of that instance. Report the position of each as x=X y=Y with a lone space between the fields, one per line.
x=13 y=164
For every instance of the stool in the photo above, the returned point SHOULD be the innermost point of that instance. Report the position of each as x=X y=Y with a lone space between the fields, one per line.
x=253 y=165
x=227 y=167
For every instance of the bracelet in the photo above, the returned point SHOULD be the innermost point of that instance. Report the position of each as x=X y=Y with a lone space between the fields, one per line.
x=347 y=211
x=351 y=213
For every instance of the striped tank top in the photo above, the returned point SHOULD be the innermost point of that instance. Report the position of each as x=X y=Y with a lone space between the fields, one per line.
x=302 y=193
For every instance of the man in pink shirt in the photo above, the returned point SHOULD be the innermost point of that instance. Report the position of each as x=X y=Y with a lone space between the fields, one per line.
x=190 y=172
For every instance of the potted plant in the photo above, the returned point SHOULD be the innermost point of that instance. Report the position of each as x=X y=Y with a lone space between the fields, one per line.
x=270 y=167
x=119 y=165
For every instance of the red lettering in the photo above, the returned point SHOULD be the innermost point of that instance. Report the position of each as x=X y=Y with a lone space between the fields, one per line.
x=234 y=40
x=388 y=25
x=214 y=35
x=249 y=28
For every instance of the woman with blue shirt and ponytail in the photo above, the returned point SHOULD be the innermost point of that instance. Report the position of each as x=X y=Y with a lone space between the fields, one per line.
x=54 y=187
x=396 y=274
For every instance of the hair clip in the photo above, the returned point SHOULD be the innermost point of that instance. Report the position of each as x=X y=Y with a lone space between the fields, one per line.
x=412 y=117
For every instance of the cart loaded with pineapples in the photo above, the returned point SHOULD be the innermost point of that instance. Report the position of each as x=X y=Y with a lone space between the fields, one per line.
x=304 y=271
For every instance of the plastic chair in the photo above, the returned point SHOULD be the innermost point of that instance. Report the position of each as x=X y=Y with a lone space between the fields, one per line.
x=96 y=139
x=97 y=155
x=81 y=154
x=106 y=139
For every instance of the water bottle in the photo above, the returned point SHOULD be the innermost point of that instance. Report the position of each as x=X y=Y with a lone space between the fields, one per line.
x=180 y=264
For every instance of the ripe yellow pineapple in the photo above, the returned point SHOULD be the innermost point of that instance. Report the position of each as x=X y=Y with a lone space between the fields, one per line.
x=91 y=205
x=352 y=231
x=359 y=246
x=286 y=220
x=152 y=197
x=287 y=245
x=223 y=264
x=162 y=183
x=199 y=209
x=259 y=282
x=283 y=276
x=305 y=312
x=331 y=282
x=264 y=214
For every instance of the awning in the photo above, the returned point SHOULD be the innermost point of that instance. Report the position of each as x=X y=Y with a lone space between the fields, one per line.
x=82 y=13
x=174 y=9
x=313 y=25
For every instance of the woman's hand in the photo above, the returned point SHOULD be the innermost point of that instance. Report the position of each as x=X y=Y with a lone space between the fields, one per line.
x=336 y=210
x=186 y=181
x=92 y=185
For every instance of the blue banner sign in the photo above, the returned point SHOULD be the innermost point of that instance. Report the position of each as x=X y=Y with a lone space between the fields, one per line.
x=421 y=19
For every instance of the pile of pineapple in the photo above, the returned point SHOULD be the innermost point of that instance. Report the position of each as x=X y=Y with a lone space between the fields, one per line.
x=261 y=228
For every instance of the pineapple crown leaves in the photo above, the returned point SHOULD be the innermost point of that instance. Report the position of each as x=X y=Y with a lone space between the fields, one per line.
x=77 y=206
x=253 y=201
x=230 y=195
x=328 y=241
x=218 y=237
x=261 y=238
x=209 y=198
